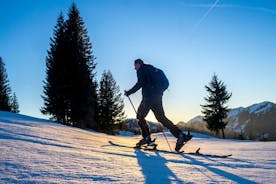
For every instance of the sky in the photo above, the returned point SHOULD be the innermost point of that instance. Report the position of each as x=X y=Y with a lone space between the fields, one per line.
x=189 y=40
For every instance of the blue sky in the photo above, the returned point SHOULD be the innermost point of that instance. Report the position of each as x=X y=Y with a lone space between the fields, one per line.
x=189 y=40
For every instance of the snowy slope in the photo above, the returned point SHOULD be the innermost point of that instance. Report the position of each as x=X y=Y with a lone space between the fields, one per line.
x=39 y=151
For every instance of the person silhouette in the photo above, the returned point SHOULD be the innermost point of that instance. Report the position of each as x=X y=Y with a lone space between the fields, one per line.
x=153 y=83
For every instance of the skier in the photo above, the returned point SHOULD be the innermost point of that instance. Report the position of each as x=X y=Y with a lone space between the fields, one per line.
x=153 y=83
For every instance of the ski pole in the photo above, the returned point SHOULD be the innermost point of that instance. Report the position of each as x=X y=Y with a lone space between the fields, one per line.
x=160 y=123
x=167 y=139
x=132 y=104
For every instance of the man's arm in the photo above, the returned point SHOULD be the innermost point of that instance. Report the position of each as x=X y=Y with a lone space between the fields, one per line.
x=137 y=86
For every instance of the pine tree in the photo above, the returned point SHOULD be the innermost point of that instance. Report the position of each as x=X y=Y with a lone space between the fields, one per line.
x=14 y=104
x=80 y=85
x=70 y=94
x=54 y=99
x=4 y=88
x=215 y=110
x=110 y=103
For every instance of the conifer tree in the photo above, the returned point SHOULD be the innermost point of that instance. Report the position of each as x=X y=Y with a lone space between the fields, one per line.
x=54 y=99
x=215 y=110
x=110 y=103
x=14 y=104
x=70 y=94
x=80 y=85
x=4 y=88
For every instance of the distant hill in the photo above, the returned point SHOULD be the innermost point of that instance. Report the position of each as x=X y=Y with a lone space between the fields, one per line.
x=132 y=125
x=257 y=122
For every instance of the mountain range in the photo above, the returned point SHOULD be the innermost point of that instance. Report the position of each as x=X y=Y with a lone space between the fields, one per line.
x=256 y=122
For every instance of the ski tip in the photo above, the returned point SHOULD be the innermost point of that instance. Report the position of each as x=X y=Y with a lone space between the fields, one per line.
x=197 y=151
x=226 y=156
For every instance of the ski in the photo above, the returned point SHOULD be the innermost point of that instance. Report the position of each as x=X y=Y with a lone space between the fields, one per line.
x=152 y=146
x=147 y=148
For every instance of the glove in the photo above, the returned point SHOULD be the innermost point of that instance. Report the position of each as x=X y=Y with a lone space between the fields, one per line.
x=127 y=93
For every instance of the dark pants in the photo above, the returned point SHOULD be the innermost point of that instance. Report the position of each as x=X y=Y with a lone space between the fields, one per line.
x=154 y=104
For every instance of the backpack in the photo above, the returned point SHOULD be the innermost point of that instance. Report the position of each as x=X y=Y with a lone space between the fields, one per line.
x=158 y=79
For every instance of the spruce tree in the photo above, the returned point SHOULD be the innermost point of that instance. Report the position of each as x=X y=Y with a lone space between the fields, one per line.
x=215 y=110
x=110 y=103
x=70 y=94
x=54 y=98
x=14 y=104
x=80 y=85
x=4 y=88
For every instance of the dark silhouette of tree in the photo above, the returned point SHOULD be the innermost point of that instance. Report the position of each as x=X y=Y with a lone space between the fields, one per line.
x=110 y=103
x=54 y=97
x=5 y=90
x=215 y=110
x=70 y=92
x=81 y=87
x=14 y=104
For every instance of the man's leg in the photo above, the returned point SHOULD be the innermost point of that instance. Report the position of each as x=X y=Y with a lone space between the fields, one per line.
x=143 y=110
x=157 y=108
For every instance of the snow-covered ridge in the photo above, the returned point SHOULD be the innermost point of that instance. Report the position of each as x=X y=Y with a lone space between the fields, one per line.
x=257 y=122
x=253 y=109
x=261 y=107
x=195 y=119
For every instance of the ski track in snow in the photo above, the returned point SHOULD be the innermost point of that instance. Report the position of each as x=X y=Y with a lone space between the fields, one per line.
x=39 y=151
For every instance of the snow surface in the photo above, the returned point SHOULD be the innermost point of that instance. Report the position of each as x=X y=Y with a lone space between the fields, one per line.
x=39 y=151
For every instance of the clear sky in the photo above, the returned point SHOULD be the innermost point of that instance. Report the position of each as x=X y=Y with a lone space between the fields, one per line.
x=189 y=39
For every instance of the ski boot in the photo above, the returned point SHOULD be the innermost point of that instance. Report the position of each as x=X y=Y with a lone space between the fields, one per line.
x=182 y=140
x=146 y=142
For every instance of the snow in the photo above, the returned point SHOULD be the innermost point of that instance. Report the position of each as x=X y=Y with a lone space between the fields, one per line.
x=260 y=108
x=196 y=119
x=235 y=112
x=39 y=151
x=253 y=109
x=233 y=125
x=126 y=133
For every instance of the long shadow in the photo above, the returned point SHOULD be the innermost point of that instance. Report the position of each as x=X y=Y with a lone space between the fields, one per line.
x=237 y=163
x=155 y=165
x=12 y=122
x=220 y=172
x=154 y=168
x=149 y=162
x=23 y=120
x=26 y=135
x=10 y=136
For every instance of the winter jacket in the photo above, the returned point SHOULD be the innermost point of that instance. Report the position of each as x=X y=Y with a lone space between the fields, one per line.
x=144 y=82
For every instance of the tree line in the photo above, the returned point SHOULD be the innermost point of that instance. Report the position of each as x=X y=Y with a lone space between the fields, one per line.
x=8 y=100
